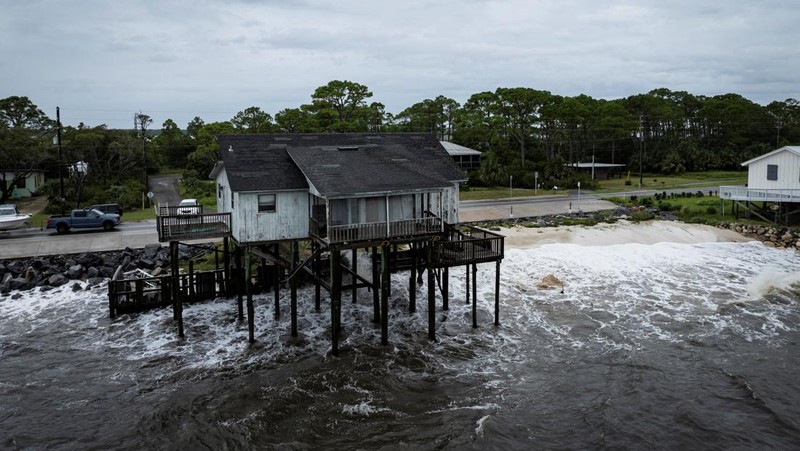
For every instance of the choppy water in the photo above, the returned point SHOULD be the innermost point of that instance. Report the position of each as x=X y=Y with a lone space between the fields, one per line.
x=666 y=346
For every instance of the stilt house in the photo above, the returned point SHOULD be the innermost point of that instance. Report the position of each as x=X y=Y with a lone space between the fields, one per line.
x=773 y=186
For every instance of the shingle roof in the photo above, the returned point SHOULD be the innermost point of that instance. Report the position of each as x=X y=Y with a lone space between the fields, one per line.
x=338 y=164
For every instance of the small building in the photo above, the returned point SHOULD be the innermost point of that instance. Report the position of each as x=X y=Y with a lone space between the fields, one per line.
x=24 y=186
x=773 y=185
x=467 y=159
x=598 y=171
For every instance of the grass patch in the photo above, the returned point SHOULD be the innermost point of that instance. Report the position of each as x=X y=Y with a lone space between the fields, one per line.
x=686 y=180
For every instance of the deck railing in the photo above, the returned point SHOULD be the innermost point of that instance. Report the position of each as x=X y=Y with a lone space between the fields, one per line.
x=136 y=295
x=381 y=230
x=759 y=195
x=191 y=227
x=471 y=246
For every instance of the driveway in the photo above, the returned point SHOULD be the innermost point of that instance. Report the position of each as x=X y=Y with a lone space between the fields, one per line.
x=165 y=189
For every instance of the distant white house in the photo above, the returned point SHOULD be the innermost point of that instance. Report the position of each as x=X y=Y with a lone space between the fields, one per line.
x=772 y=178
x=24 y=187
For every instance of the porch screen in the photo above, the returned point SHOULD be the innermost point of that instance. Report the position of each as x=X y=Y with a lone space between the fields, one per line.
x=375 y=209
x=401 y=207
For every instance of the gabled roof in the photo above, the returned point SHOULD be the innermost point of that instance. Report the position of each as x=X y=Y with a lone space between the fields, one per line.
x=336 y=164
x=793 y=149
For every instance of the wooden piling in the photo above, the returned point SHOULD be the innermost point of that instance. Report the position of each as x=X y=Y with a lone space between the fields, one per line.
x=293 y=285
x=474 y=295
x=251 y=324
x=468 y=285
x=431 y=295
x=317 y=266
x=336 y=294
x=497 y=294
x=239 y=282
x=376 y=287
x=355 y=273
x=385 y=282
x=412 y=282
x=445 y=288
x=177 y=304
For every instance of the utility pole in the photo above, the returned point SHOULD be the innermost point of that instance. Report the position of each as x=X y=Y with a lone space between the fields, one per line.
x=641 y=145
x=60 y=161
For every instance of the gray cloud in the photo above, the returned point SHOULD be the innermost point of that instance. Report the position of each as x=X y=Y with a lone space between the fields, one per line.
x=102 y=61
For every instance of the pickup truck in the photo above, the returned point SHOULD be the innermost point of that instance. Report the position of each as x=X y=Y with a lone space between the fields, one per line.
x=83 y=219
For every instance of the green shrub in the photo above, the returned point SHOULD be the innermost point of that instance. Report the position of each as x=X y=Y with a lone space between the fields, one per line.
x=711 y=210
x=664 y=206
x=627 y=183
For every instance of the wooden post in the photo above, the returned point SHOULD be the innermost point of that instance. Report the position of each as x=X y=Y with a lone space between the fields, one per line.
x=497 y=294
x=412 y=282
x=239 y=282
x=336 y=293
x=355 y=273
x=468 y=286
x=445 y=288
x=385 y=282
x=251 y=323
x=177 y=304
x=431 y=295
x=293 y=285
x=474 y=295
x=112 y=298
x=317 y=274
x=277 y=281
x=226 y=271
x=376 y=287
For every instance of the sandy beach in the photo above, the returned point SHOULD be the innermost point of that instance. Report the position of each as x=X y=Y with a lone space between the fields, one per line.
x=621 y=232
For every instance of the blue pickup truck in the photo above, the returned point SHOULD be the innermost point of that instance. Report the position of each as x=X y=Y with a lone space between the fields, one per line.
x=83 y=219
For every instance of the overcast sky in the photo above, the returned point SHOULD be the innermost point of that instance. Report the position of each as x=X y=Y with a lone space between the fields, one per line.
x=103 y=61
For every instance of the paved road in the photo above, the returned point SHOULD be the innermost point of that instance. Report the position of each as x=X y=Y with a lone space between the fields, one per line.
x=33 y=242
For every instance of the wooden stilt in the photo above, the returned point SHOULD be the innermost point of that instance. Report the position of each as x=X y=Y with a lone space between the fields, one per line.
x=177 y=303
x=497 y=294
x=239 y=282
x=385 y=282
x=376 y=287
x=317 y=273
x=336 y=293
x=412 y=281
x=293 y=286
x=277 y=282
x=251 y=322
x=226 y=270
x=468 y=285
x=431 y=295
x=474 y=295
x=355 y=273
x=445 y=288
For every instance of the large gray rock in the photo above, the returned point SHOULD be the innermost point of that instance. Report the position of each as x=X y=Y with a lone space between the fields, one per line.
x=56 y=280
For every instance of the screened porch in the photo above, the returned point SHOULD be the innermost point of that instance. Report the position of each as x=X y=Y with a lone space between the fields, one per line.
x=375 y=217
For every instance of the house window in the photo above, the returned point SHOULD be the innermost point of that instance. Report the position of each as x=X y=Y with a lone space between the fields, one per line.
x=772 y=172
x=219 y=191
x=21 y=183
x=266 y=203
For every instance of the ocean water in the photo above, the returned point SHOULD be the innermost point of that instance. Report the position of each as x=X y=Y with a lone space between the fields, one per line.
x=663 y=346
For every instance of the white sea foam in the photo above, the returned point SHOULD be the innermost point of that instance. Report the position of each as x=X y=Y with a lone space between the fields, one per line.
x=614 y=297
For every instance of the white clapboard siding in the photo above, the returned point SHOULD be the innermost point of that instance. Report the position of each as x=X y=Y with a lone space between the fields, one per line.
x=290 y=220
x=788 y=172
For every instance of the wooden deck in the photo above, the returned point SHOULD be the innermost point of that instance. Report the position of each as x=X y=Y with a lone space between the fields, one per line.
x=470 y=246
x=744 y=193
x=172 y=226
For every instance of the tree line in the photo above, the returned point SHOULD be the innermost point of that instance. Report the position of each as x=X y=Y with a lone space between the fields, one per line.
x=519 y=130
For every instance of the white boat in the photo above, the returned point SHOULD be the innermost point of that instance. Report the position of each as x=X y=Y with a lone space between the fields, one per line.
x=11 y=219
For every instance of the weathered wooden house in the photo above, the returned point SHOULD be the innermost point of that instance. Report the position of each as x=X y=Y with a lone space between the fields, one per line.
x=394 y=195
x=773 y=186
x=338 y=188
